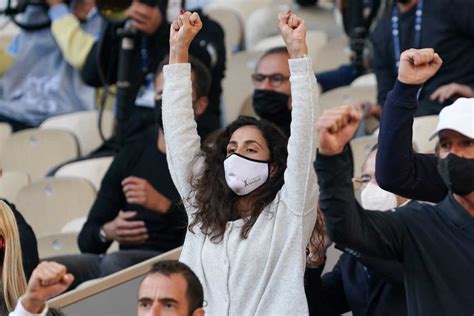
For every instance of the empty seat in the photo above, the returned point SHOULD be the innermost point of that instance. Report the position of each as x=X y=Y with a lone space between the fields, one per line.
x=58 y=245
x=423 y=127
x=367 y=80
x=348 y=96
x=83 y=125
x=5 y=132
x=332 y=55
x=90 y=169
x=11 y=182
x=230 y=21
x=36 y=151
x=237 y=84
x=50 y=203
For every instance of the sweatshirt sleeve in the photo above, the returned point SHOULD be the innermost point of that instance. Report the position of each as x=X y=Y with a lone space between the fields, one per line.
x=183 y=145
x=374 y=233
x=399 y=169
x=300 y=190
x=74 y=42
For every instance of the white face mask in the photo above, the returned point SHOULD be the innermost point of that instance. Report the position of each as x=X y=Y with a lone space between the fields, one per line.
x=244 y=175
x=375 y=198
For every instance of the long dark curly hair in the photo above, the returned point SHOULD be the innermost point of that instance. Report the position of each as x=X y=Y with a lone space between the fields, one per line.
x=216 y=204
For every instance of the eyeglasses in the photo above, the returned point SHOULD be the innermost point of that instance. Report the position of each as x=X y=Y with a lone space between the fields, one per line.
x=275 y=79
x=361 y=181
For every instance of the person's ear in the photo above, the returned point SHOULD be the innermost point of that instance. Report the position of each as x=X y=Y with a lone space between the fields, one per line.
x=198 y=312
x=201 y=106
x=273 y=169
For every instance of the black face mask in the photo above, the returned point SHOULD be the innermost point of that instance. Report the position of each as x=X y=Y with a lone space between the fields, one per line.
x=273 y=106
x=457 y=173
x=158 y=114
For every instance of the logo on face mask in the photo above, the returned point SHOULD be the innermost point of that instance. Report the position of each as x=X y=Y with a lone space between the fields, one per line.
x=248 y=182
x=244 y=175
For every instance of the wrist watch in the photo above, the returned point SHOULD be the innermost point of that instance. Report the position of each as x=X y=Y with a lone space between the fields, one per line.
x=102 y=236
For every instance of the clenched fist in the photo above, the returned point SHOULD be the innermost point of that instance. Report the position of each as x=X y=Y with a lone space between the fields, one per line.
x=336 y=127
x=293 y=31
x=182 y=32
x=418 y=65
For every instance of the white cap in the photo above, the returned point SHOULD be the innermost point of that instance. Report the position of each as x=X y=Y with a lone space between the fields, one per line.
x=458 y=117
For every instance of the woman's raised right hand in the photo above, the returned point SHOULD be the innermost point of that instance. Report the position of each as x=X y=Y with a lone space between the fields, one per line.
x=183 y=30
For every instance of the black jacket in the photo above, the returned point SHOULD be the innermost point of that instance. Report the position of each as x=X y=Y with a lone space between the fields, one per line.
x=29 y=246
x=360 y=284
x=141 y=159
x=434 y=243
x=208 y=47
x=448 y=27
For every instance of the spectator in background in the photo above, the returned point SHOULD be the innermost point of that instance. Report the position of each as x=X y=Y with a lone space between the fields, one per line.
x=430 y=241
x=137 y=205
x=169 y=288
x=247 y=229
x=18 y=254
x=149 y=18
x=447 y=26
x=358 y=283
x=400 y=169
x=451 y=92
x=271 y=98
x=41 y=80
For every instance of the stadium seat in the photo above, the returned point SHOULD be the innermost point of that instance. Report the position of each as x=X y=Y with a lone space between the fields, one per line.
x=247 y=107
x=237 y=84
x=84 y=125
x=332 y=55
x=5 y=132
x=11 y=182
x=35 y=151
x=367 y=80
x=231 y=23
x=315 y=39
x=58 y=245
x=423 y=127
x=50 y=203
x=361 y=147
x=348 y=96
x=90 y=169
